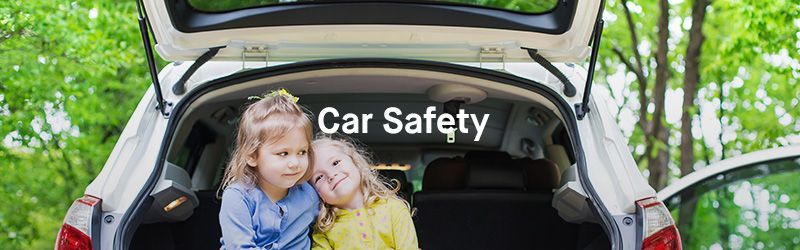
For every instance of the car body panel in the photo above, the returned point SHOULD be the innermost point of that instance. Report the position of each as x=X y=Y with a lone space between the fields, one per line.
x=612 y=170
x=132 y=158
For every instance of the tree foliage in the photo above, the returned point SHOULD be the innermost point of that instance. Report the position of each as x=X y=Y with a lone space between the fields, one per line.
x=71 y=74
x=747 y=94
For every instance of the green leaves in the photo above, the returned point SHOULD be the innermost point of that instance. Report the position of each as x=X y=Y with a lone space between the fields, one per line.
x=750 y=52
x=71 y=74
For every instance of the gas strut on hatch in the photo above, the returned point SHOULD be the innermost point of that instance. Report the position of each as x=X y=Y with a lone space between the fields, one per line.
x=581 y=109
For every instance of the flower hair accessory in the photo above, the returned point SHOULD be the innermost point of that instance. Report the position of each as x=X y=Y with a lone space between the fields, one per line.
x=276 y=93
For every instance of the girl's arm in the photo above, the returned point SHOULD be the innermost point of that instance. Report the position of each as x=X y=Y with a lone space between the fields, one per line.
x=236 y=221
x=405 y=236
x=319 y=241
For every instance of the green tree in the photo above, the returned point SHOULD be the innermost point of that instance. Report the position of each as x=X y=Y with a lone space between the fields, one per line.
x=71 y=74
x=651 y=69
x=747 y=69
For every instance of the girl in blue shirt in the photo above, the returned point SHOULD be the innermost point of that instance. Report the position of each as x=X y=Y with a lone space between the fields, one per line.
x=266 y=202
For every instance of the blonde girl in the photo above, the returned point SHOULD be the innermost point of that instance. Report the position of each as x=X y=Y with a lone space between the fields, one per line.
x=359 y=211
x=266 y=202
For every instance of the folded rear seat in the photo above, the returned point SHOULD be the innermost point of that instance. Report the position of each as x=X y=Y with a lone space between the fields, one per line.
x=494 y=210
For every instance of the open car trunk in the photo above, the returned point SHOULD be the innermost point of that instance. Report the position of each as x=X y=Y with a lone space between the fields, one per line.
x=498 y=190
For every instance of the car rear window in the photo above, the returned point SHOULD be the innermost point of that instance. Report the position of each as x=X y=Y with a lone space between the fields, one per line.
x=525 y=6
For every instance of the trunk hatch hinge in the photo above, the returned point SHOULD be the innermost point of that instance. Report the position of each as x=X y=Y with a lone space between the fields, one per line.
x=250 y=52
x=492 y=55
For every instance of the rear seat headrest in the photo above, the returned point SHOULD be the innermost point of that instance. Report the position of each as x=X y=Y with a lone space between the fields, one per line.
x=396 y=179
x=541 y=174
x=445 y=174
x=493 y=170
x=390 y=174
x=393 y=174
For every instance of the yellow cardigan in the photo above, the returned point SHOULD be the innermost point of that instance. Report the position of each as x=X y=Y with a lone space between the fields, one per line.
x=386 y=225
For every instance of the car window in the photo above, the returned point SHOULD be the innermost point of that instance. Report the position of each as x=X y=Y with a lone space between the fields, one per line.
x=754 y=207
x=527 y=6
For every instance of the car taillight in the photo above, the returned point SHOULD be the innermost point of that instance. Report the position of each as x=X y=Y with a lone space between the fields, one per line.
x=659 y=229
x=80 y=229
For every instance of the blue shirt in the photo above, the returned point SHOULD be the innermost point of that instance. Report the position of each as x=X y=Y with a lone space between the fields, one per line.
x=250 y=220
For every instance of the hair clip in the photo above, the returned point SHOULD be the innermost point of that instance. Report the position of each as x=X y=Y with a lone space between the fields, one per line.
x=275 y=93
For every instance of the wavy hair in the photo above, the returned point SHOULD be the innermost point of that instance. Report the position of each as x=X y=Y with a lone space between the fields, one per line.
x=372 y=185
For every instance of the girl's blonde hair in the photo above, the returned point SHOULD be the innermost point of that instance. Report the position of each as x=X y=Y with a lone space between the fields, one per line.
x=264 y=122
x=372 y=185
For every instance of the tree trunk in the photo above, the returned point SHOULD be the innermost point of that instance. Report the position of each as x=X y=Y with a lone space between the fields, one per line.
x=638 y=69
x=691 y=78
x=657 y=163
x=686 y=213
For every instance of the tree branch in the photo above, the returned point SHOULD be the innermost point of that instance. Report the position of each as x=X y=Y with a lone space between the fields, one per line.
x=657 y=163
x=638 y=70
x=625 y=101
x=634 y=38
x=624 y=59
x=67 y=173
x=8 y=35
x=691 y=79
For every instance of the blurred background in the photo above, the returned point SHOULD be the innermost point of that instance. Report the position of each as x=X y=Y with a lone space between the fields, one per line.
x=693 y=82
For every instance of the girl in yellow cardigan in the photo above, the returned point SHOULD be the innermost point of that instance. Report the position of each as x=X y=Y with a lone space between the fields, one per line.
x=359 y=211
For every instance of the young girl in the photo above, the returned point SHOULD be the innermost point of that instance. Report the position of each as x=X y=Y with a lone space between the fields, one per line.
x=266 y=202
x=359 y=211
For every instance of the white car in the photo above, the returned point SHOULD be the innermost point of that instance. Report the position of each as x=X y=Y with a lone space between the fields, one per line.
x=751 y=201
x=549 y=170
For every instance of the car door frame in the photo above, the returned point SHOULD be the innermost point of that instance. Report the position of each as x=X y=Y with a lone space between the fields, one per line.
x=728 y=165
x=726 y=172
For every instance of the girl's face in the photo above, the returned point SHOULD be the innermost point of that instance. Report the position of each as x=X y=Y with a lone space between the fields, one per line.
x=282 y=163
x=336 y=178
